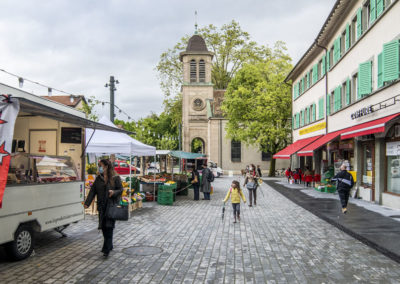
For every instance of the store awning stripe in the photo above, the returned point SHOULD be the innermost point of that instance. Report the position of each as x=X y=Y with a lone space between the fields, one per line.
x=370 y=127
x=309 y=150
x=293 y=148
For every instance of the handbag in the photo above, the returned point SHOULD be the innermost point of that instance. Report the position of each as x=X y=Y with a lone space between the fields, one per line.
x=251 y=185
x=116 y=211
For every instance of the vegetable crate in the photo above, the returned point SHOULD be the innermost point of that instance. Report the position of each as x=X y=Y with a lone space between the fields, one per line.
x=165 y=196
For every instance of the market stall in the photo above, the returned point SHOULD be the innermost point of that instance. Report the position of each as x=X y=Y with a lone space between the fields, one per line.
x=104 y=142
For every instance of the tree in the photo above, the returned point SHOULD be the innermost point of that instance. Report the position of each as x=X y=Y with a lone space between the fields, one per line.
x=232 y=48
x=257 y=103
x=87 y=108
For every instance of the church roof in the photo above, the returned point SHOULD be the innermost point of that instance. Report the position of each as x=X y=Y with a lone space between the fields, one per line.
x=196 y=43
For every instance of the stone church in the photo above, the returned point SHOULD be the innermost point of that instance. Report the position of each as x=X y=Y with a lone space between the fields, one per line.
x=202 y=118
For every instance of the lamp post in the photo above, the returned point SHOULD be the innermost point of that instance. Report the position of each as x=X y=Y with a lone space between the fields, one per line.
x=111 y=85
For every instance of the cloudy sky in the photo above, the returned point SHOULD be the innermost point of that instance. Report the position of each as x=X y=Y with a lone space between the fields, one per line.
x=75 y=45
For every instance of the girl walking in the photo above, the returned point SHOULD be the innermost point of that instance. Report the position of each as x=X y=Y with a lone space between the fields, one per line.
x=235 y=193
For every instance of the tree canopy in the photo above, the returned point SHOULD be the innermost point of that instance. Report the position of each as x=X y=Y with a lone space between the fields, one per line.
x=257 y=103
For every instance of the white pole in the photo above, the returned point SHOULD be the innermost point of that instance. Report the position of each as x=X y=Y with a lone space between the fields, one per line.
x=130 y=184
x=154 y=184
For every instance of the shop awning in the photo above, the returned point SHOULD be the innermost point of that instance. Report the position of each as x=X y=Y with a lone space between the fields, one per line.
x=370 y=127
x=309 y=150
x=185 y=155
x=293 y=148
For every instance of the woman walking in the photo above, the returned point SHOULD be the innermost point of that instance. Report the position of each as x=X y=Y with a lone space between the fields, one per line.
x=345 y=182
x=108 y=188
x=196 y=183
x=251 y=184
x=235 y=193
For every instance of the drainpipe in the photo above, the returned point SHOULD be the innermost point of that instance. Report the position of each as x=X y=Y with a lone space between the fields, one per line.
x=326 y=84
x=291 y=133
x=220 y=143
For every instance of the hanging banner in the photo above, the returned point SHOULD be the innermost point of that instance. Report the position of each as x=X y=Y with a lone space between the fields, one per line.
x=9 y=108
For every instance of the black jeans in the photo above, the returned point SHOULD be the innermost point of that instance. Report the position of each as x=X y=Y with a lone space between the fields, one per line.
x=206 y=195
x=344 y=196
x=251 y=193
x=108 y=239
x=196 y=191
x=236 y=209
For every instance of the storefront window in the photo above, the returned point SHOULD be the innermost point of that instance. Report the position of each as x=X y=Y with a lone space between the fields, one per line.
x=367 y=165
x=393 y=166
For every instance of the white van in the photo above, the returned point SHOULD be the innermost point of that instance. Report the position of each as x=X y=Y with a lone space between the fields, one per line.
x=45 y=181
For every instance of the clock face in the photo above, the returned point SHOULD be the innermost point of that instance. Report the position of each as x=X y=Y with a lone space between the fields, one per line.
x=198 y=104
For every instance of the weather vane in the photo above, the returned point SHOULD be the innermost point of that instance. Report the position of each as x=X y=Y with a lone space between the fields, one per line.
x=195 y=23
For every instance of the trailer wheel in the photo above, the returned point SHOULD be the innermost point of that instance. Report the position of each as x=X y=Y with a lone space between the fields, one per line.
x=22 y=246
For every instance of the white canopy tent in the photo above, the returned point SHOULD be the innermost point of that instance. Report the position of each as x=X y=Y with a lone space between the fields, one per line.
x=108 y=142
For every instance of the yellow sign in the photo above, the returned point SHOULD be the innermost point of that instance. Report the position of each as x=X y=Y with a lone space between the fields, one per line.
x=313 y=128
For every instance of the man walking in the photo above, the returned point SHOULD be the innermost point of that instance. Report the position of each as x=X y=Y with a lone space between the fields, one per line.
x=345 y=182
x=206 y=182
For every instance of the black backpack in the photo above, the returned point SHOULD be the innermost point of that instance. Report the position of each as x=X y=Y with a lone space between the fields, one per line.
x=210 y=176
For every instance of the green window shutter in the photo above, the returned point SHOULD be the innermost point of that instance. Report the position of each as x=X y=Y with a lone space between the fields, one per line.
x=390 y=61
x=359 y=23
x=379 y=7
x=347 y=38
x=308 y=79
x=321 y=108
x=372 y=11
x=328 y=56
x=334 y=52
x=335 y=100
x=297 y=120
x=302 y=85
x=313 y=112
x=380 y=74
x=364 y=79
x=339 y=54
x=328 y=105
x=323 y=65
x=301 y=118
x=315 y=73
x=348 y=91
x=339 y=90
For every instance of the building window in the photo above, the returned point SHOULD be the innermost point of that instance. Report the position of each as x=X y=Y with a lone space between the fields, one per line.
x=331 y=53
x=354 y=89
x=365 y=16
x=202 y=71
x=342 y=43
x=236 y=151
x=266 y=156
x=353 y=31
x=332 y=102
x=393 y=159
x=193 y=71
x=319 y=70
x=343 y=93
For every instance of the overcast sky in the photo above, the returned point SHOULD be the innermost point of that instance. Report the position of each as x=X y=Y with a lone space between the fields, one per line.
x=75 y=45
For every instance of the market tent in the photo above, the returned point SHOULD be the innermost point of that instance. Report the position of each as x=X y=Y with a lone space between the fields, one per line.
x=186 y=155
x=107 y=142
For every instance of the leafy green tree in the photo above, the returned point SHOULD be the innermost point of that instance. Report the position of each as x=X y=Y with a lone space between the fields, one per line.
x=257 y=103
x=87 y=108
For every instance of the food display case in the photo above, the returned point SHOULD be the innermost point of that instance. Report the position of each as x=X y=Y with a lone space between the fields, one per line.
x=32 y=169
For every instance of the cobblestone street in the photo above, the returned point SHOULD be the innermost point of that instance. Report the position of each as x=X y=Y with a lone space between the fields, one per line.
x=275 y=242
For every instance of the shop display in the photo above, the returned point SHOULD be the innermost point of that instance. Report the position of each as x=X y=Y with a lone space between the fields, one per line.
x=27 y=169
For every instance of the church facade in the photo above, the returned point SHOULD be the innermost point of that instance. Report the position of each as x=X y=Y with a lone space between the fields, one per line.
x=202 y=119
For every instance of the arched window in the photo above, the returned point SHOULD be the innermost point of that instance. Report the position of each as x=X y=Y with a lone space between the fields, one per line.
x=193 y=71
x=236 y=151
x=202 y=71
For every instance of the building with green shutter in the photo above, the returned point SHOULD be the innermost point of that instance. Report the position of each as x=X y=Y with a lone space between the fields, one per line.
x=348 y=110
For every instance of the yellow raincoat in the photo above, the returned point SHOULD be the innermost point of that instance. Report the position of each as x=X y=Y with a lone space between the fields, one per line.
x=235 y=195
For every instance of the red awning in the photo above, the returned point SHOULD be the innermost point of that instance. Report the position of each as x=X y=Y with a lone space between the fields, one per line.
x=293 y=148
x=370 y=127
x=309 y=150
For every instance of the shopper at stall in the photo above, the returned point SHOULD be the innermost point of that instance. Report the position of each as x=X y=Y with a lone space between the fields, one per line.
x=345 y=182
x=206 y=182
x=251 y=184
x=235 y=193
x=108 y=188
x=196 y=183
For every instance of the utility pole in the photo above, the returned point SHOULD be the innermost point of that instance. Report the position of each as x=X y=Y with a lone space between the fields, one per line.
x=111 y=85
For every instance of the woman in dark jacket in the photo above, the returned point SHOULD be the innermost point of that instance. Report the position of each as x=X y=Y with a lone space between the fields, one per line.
x=196 y=183
x=108 y=188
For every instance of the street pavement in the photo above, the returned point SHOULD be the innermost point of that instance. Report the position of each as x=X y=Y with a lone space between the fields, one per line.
x=276 y=242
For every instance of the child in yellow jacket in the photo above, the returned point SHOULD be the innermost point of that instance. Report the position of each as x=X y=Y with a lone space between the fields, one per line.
x=235 y=193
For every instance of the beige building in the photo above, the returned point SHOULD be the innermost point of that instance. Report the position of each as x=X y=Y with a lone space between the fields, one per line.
x=346 y=98
x=202 y=118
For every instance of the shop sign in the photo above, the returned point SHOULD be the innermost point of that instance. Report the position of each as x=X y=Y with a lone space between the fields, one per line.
x=362 y=112
x=393 y=148
x=332 y=146
x=313 y=128
x=346 y=144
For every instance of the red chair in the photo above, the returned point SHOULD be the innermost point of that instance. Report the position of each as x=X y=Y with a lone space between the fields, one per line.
x=317 y=178
x=296 y=177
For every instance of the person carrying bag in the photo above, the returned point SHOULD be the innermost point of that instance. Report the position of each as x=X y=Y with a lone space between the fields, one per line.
x=251 y=184
x=108 y=189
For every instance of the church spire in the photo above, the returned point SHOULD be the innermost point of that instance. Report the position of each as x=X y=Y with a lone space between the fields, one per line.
x=195 y=23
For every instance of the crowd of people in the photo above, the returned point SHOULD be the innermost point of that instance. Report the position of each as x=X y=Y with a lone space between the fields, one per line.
x=297 y=176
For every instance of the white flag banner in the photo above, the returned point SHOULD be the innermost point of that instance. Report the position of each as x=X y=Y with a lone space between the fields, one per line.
x=9 y=108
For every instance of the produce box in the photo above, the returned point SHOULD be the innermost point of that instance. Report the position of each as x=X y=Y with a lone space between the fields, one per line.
x=165 y=197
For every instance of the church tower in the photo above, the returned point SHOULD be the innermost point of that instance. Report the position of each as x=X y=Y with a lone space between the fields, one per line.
x=197 y=92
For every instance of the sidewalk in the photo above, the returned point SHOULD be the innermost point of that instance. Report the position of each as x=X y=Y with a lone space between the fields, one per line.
x=374 y=225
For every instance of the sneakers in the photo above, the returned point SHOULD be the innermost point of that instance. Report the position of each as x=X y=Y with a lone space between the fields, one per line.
x=344 y=210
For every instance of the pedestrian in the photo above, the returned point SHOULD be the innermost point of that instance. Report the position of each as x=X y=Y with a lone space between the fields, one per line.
x=206 y=182
x=307 y=177
x=288 y=174
x=259 y=171
x=195 y=183
x=252 y=170
x=251 y=184
x=235 y=193
x=108 y=188
x=345 y=182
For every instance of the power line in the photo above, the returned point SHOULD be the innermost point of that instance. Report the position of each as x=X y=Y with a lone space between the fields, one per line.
x=50 y=90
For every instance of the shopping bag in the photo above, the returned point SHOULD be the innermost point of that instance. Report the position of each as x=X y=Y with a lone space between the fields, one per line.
x=212 y=190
